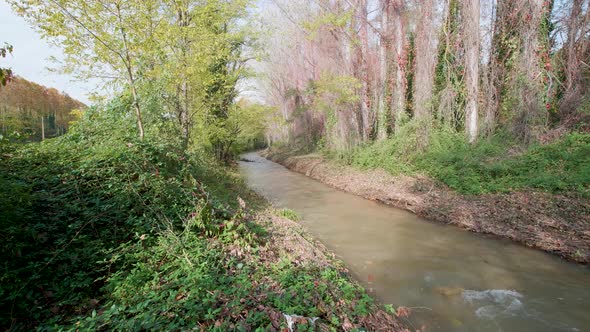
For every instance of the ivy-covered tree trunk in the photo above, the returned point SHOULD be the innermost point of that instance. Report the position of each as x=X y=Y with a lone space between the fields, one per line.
x=425 y=61
x=517 y=69
x=384 y=47
x=424 y=72
x=496 y=66
x=449 y=96
x=531 y=71
x=363 y=50
x=576 y=49
x=471 y=38
x=398 y=83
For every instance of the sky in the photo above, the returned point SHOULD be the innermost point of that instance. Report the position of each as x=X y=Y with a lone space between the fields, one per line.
x=30 y=57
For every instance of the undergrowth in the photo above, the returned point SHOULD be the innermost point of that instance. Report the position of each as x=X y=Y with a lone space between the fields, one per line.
x=102 y=231
x=495 y=165
x=289 y=214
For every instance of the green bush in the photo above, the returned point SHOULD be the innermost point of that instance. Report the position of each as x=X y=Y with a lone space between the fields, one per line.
x=66 y=205
x=103 y=231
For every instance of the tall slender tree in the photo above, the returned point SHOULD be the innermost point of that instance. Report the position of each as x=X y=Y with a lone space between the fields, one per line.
x=425 y=62
x=384 y=70
x=471 y=38
x=363 y=70
x=576 y=48
x=96 y=37
x=398 y=84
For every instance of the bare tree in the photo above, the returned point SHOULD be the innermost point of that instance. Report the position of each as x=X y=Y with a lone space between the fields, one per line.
x=575 y=48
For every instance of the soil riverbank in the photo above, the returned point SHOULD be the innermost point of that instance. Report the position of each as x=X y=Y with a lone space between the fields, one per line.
x=554 y=223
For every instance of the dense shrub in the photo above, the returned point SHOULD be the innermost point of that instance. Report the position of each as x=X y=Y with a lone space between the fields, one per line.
x=102 y=231
x=67 y=204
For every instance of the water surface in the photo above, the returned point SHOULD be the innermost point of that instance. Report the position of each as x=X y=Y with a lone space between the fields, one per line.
x=454 y=280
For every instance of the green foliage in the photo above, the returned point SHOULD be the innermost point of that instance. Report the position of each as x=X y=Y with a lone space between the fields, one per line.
x=328 y=21
x=179 y=283
x=289 y=214
x=78 y=198
x=497 y=165
x=103 y=231
x=316 y=292
x=186 y=57
x=5 y=73
x=494 y=167
x=243 y=129
x=411 y=49
x=449 y=87
x=332 y=94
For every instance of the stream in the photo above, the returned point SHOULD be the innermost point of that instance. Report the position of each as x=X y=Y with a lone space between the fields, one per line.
x=452 y=279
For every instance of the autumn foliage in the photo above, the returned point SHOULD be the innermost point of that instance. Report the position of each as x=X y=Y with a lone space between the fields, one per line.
x=27 y=107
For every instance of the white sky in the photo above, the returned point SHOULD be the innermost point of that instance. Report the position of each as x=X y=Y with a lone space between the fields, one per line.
x=30 y=58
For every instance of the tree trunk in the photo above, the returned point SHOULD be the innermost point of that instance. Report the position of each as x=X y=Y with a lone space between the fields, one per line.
x=398 y=80
x=364 y=71
x=425 y=62
x=382 y=119
x=575 y=48
x=516 y=72
x=490 y=76
x=42 y=128
x=184 y=117
x=137 y=108
x=471 y=38
x=130 y=76
x=530 y=93
x=184 y=103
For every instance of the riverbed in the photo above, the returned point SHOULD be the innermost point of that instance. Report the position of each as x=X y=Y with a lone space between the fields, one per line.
x=451 y=279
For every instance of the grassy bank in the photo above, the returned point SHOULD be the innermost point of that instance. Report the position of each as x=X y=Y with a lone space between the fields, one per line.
x=490 y=166
x=535 y=195
x=102 y=231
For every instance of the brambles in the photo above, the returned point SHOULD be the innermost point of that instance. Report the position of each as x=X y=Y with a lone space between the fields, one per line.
x=105 y=231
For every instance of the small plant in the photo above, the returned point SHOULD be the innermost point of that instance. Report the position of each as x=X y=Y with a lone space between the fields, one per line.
x=389 y=308
x=289 y=214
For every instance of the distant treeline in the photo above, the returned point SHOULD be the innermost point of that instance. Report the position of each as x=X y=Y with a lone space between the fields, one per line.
x=29 y=111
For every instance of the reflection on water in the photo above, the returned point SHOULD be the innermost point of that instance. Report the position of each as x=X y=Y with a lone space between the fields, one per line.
x=454 y=280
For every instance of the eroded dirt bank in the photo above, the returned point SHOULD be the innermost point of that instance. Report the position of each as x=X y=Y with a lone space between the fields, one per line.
x=554 y=223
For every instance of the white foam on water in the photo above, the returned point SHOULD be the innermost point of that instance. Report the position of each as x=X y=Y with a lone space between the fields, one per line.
x=494 y=295
x=494 y=302
x=487 y=312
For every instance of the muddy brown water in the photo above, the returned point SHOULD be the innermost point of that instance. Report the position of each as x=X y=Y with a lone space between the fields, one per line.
x=452 y=279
